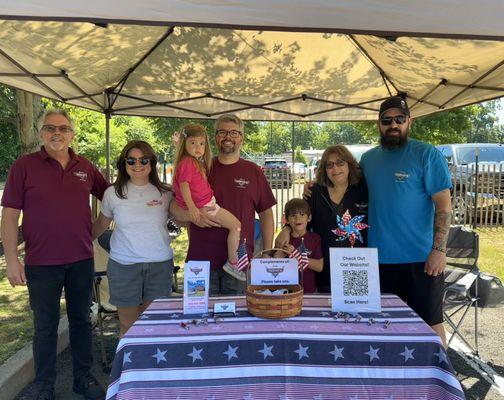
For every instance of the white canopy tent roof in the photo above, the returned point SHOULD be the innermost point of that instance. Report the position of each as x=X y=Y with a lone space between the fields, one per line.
x=281 y=60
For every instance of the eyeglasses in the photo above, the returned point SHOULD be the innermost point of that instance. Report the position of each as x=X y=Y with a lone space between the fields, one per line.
x=54 y=128
x=399 y=120
x=132 y=160
x=233 y=134
x=332 y=164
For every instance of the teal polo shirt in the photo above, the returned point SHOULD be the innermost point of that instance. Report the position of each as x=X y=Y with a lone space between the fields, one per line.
x=401 y=211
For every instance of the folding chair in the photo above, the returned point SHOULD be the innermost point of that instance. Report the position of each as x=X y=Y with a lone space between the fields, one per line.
x=100 y=293
x=461 y=274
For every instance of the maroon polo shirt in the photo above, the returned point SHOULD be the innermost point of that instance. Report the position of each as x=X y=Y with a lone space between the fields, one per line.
x=242 y=189
x=313 y=246
x=55 y=205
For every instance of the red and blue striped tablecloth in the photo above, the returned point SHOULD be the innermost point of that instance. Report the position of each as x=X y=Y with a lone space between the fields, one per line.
x=312 y=356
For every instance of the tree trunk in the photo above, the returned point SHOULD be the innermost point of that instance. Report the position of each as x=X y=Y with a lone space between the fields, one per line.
x=29 y=109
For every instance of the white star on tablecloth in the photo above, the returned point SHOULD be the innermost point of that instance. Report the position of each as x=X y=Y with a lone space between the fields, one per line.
x=337 y=352
x=149 y=330
x=266 y=351
x=144 y=316
x=195 y=354
x=174 y=316
x=384 y=314
x=372 y=353
x=407 y=353
x=413 y=313
x=441 y=355
x=231 y=352
x=248 y=396
x=127 y=357
x=160 y=355
x=325 y=314
x=302 y=352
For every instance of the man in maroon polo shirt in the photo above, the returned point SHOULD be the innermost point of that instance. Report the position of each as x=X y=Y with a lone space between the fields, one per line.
x=52 y=188
x=241 y=188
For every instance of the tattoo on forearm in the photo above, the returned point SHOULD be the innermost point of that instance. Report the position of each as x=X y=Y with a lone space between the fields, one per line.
x=442 y=222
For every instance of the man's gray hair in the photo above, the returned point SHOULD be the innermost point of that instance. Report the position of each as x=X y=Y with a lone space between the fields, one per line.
x=55 y=111
x=228 y=118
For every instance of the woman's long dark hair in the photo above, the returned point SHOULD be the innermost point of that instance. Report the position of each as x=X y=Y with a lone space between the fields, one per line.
x=123 y=177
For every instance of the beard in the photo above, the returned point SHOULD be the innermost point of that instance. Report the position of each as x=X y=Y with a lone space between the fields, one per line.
x=392 y=142
x=228 y=149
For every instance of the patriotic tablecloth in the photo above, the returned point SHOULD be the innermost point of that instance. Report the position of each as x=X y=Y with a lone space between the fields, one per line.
x=312 y=356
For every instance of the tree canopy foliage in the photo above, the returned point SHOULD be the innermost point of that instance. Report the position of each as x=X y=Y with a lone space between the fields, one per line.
x=475 y=123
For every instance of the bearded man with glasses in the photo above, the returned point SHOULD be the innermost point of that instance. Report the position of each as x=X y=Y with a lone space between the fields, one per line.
x=409 y=213
x=241 y=188
x=52 y=188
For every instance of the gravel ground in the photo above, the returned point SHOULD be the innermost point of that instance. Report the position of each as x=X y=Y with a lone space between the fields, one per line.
x=475 y=385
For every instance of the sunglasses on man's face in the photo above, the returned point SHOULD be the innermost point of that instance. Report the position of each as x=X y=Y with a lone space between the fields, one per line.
x=398 y=119
x=133 y=160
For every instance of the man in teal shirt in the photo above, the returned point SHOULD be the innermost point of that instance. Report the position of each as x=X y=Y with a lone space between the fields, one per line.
x=409 y=213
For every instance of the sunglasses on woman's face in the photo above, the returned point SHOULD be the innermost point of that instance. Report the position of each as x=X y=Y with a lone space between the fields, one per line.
x=399 y=120
x=133 y=160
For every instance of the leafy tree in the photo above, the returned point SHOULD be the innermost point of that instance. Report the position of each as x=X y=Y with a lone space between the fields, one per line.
x=299 y=156
x=10 y=148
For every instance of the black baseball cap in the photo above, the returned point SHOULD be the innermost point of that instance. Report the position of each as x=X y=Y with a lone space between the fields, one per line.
x=394 y=102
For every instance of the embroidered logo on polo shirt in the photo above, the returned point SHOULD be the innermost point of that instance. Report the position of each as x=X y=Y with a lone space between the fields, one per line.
x=401 y=176
x=81 y=175
x=155 y=202
x=241 y=183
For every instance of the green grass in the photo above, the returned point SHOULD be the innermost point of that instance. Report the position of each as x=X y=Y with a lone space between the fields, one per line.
x=492 y=251
x=15 y=317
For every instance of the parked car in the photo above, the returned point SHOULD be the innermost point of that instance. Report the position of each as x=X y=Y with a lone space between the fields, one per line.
x=277 y=172
x=487 y=183
x=298 y=170
x=357 y=151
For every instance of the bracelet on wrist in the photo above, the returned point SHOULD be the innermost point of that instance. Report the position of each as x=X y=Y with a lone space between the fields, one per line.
x=442 y=250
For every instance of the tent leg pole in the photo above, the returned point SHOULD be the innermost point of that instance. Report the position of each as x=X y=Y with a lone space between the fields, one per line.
x=107 y=146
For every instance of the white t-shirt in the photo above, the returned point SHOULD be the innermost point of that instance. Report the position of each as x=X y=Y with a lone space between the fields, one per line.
x=140 y=234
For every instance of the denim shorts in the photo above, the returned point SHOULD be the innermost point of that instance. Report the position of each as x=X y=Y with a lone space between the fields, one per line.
x=133 y=284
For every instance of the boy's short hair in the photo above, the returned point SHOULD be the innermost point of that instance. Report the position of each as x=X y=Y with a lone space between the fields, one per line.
x=296 y=205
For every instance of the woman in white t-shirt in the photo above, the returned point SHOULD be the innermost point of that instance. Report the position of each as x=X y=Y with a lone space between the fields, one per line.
x=140 y=267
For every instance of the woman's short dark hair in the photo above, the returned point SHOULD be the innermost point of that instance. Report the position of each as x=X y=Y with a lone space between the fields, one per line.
x=295 y=206
x=122 y=175
x=342 y=152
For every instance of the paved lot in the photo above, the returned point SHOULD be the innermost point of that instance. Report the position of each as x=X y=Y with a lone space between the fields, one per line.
x=477 y=383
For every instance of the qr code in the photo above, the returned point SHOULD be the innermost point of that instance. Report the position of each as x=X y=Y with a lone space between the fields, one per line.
x=355 y=283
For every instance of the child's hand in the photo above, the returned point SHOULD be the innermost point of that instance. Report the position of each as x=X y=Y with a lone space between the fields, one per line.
x=289 y=248
x=194 y=214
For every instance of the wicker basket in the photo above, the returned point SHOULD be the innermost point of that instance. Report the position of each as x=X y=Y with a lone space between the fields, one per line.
x=274 y=306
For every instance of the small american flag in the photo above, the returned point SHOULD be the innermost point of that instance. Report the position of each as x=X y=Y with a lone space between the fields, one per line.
x=243 y=260
x=301 y=255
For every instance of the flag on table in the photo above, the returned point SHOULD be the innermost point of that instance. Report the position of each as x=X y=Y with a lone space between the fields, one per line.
x=243 y=260
x=301 y=255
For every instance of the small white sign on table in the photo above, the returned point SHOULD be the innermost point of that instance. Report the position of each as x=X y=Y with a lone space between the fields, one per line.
x=355 y=280
x=196 y=287
x=274 y=271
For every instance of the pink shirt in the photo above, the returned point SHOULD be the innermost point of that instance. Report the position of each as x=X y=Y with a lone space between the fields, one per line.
x=242 y=189
x=55 y=204
x=201 y=191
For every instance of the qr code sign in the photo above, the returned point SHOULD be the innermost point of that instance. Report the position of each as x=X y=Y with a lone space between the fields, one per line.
x=355 y=283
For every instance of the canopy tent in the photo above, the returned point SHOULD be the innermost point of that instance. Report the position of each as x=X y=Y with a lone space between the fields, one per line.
x=319 y=60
